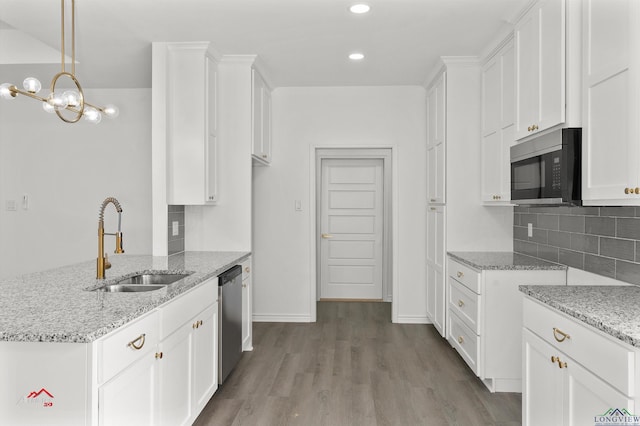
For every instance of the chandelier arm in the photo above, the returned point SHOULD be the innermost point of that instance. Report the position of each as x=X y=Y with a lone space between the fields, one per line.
x=14 y=90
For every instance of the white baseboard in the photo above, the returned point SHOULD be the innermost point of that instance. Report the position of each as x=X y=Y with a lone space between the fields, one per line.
x=407 y=319
x=281 y=318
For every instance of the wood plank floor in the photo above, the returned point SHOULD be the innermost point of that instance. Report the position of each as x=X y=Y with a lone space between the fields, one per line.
x=354 y=367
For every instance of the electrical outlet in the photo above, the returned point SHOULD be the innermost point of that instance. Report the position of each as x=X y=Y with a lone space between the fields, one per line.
x=530 y=230
x=175 y=228
x=298 y=205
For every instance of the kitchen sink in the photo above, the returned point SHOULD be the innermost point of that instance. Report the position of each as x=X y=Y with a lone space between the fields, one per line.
x=141 y=283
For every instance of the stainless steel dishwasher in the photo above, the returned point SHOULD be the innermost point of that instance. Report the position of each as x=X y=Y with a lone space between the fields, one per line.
x=229 y=321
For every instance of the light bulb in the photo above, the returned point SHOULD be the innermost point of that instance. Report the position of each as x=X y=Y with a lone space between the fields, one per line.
x=5 y=91
x=58 y=100
x=111 y=111
x=92 y=115
x=31 y=85
x=48 y=107
x=72 y=97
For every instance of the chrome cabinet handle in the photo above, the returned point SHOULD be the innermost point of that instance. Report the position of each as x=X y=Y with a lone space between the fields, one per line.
x=134 y=343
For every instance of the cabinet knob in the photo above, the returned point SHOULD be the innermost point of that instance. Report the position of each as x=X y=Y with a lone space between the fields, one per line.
x=197 y=324
x=158 y=355
x=247 y=269
x=554 y=359
x=460 y=303
x=137 y=343
x=264 y=155
x=460 y=274
x=626 y=190
x=529 y=129
x=636 y=191
x=433 y=200
x=535 y=127
x=460 y=340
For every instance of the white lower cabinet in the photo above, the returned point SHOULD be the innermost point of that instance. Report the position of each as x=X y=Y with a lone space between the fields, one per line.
x=177 y=373
x=484 y=320
x=128 y=398
x=247 y=307
x=573 y=374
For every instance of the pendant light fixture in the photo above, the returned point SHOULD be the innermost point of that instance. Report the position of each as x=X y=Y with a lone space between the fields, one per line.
x=68 y=104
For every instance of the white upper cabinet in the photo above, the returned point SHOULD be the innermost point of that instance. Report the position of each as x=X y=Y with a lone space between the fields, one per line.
x=498 y=104
x=436 y=121
x=611 y=98
x=540 y=43
x=261 y=119
x=192 y=124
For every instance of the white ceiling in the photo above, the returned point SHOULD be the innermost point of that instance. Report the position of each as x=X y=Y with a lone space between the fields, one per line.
x=300 y=42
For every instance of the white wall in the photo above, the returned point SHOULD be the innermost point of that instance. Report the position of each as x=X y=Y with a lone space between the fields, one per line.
x=68 y=170
x=470 y=225
x=333 y=117
x=227 y=225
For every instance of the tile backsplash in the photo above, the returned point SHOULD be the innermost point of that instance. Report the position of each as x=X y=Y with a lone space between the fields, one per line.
x=602 y=240
x=176 y=242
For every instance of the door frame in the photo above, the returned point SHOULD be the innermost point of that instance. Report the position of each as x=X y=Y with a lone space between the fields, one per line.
x=390 y=259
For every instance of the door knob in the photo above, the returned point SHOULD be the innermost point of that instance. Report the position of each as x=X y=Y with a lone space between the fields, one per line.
x=327 y=236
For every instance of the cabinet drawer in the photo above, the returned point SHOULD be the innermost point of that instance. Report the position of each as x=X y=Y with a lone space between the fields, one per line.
x=465 y=304
x=612 y=361
x=246 y=269
x=178 y=311
x=126 y=345
x=465 y=275
x=465 y=341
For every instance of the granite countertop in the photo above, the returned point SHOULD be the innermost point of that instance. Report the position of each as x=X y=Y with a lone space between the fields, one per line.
x=503 y=261
x=55 y=306
x=611 y=309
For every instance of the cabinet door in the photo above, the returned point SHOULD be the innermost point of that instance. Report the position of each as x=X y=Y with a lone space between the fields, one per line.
x=435 y=267
x=527 y=72
x=266 y=124
x=257 y=93
x=540 y=68
x=542 y=387
x=211 y=194
x=211 y=147
x=610 y=101
x=174 y=366
x=586 y=396
x=129 y=398
x=205 y=356
x=491 y=96
x=436 y=116
x=247 y=308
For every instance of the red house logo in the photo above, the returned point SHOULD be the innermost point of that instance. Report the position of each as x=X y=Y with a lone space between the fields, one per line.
x=40 y=392
x=42 y=398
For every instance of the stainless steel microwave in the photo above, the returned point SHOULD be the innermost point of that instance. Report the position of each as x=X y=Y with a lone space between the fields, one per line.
x=547 y=170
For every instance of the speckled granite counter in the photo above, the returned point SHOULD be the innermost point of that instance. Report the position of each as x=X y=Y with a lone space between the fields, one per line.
x=503 y=260
x=612 y=309
x=55 y=306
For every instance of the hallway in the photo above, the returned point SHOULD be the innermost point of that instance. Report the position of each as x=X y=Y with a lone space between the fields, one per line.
x=354 y=367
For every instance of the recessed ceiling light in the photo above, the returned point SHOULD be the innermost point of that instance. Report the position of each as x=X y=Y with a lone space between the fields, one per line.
x=356 y=56
x=360 y=8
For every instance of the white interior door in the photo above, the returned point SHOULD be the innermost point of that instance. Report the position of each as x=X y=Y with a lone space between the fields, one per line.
x=351 y=227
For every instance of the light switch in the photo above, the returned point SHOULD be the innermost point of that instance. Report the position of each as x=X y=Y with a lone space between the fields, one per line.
x=25 y=202
x=298 y=205
x=175 y=228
